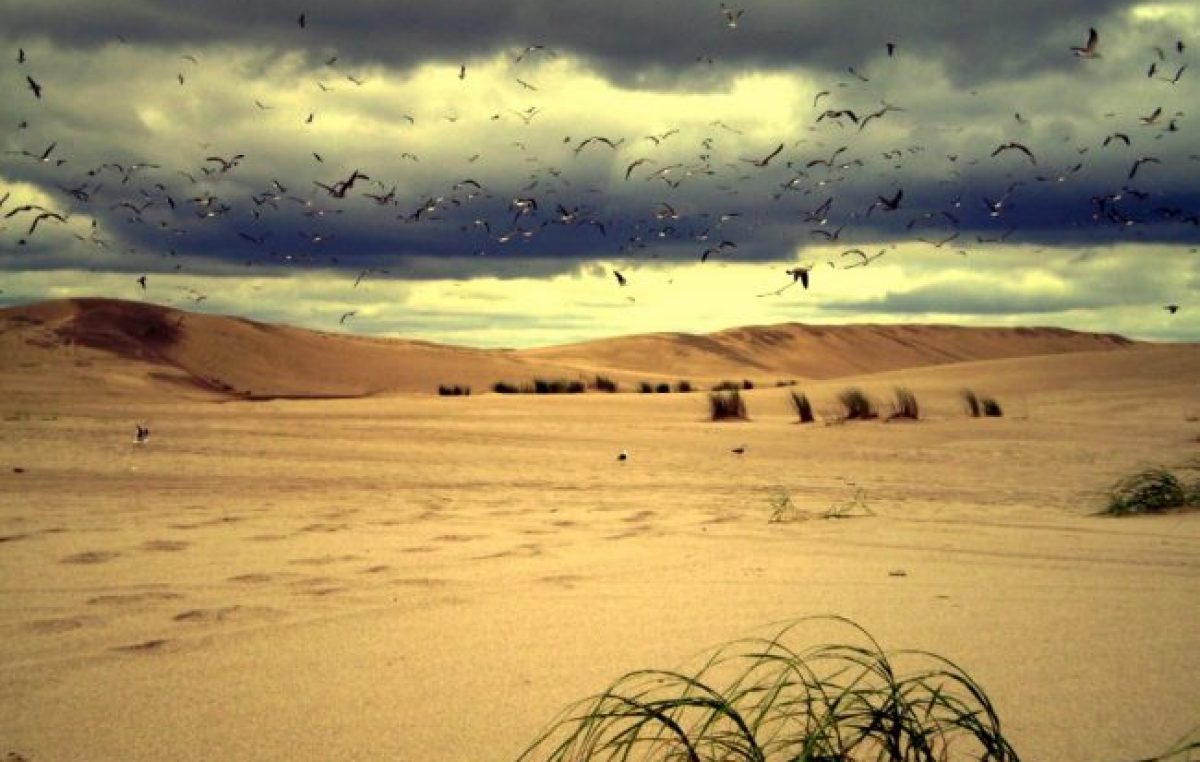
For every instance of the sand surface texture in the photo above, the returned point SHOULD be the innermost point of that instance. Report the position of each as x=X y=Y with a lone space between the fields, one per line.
x=405 y=576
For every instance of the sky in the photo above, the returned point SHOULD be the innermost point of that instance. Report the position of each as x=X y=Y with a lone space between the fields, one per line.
x=526 y=173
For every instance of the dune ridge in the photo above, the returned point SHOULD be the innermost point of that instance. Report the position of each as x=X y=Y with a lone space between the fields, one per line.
x=250 y=359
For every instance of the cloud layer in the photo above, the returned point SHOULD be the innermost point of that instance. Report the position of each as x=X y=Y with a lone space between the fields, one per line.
x=528 y=143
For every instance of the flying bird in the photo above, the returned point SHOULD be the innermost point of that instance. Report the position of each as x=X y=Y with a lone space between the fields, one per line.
x=45 y=216
x=301 y=21
x=1171 y=308
x=731 y=15
x=764 y=161
x=891 y=49
x=35 y=87
x=347 y=315
x=1088 y=50
x=799 y=275
x=1137 y=164
x=1017 y=147
x=620 y=278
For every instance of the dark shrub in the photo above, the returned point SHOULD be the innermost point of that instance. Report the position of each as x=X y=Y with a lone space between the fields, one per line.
x=857 y=406
x=645 y=387
x=905 y=405
x=726 y=405
x=683 y=386
x=604 y=384
x=803 y=408
x=663 y=388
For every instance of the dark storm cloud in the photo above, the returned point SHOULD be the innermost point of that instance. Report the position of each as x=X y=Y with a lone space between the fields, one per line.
x=967 y=78
x=631 y=41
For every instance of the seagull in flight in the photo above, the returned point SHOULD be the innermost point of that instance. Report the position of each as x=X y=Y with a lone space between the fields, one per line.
x=1088 y=50
x=35 y=87
x=1016 y=147
x=764 y=161
x=346 y=315
x=799 y=275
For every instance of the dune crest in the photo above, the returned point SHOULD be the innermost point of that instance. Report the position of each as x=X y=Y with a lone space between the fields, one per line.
x=249 y=359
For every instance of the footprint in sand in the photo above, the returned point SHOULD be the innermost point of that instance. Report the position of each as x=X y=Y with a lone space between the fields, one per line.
x=90 y=557
x=265 y=537
x=165 y=545
x=158 y=645
x=133 y=599
x=323 y=560
x=458 y=537
x=227 y=614
x=325 y=527
x=256 y=578
x=64 y=624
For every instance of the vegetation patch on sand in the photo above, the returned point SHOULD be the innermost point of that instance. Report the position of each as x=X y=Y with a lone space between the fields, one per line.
x=1152 y=490
x=727 y=405
x=777 y=698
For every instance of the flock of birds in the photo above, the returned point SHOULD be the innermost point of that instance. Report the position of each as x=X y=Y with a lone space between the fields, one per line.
x=295 y=222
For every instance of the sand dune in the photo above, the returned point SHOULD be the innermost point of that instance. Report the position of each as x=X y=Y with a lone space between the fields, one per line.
x=410 y=577
x=245 y=358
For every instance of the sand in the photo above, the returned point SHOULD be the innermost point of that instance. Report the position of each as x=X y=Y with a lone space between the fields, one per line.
x=415 y=577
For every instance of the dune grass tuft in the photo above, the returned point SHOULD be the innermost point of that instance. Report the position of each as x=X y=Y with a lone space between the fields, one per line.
x=778 y=698
x=904 y=406
x=856 y=405
x=803 y=407
x=605 y=384
x=981 y=406
x=683 y=387
x=1151 y=490
x=726 y=405
x=455 y=390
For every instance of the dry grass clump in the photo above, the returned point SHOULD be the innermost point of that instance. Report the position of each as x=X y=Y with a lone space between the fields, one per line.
x=803 y=407
x=446 y=390
x=904 y=406
x=605 y=384
x=981 y=406
x=782 y=698
x=683 y=387
x=726 y=405
x=856 y=405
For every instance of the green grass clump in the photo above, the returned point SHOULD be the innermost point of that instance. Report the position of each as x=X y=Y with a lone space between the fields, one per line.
x=803 y=407
x=726 y=405
x=904 y=405
x=857 y=406
x=1151 y=490
x=779 y=698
